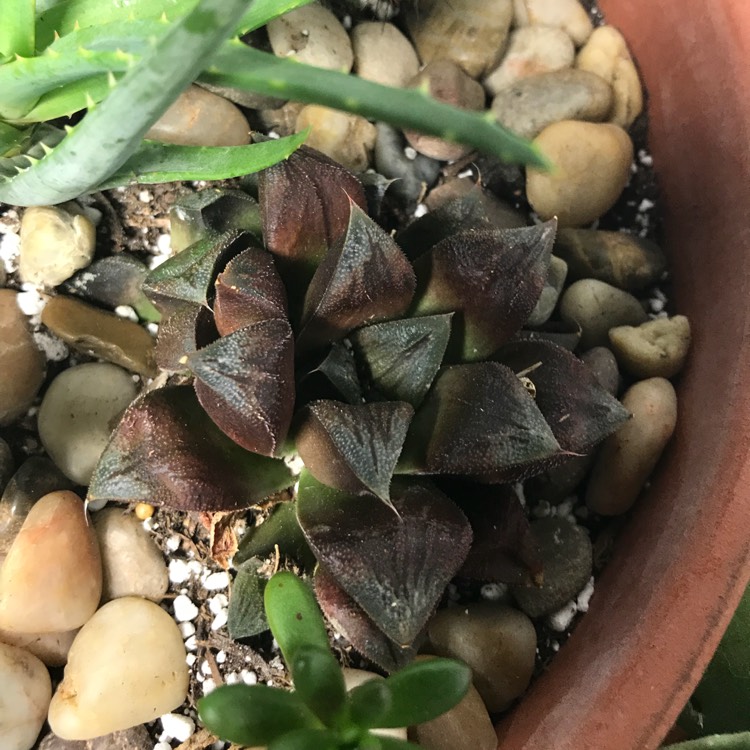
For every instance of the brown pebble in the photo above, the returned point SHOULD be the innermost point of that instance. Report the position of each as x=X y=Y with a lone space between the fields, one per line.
x=101 y=334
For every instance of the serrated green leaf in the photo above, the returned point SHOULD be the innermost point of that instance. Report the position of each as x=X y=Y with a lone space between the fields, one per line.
x=246 y=617
x=424 y=690
x=11 y=139
x=253 y=714
x=293 y=615
x=17 y=32
x=318 y=680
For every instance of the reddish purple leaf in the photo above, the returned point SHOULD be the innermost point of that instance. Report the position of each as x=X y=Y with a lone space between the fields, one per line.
x=248 y=291
x=394 y=565
x=490 y=279
x=349 y=619
x=364 y=278
x=354 y=447
x=304 y=203
x=188 y=327
x=245 y=381
x=167 y=451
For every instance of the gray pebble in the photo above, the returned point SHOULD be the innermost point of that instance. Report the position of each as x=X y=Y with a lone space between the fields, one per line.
x=568 y=561
x=602 y=362
x=623 y=260
x=596 y=307
x=545 y=306
x=497 y=641
x=533 y=103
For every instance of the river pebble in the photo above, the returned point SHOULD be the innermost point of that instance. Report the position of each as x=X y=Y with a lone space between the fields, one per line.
x=568 y=561
x=592 y=166
x=79 y=412
x=131 y=562
x=497 y=641
x=51 y=580
x=135 y=738
x=21 y=363
x=51 y=648
x=623 y=260
x=383 y=54
x=139 y=642
x=200 y=118
x=447 y=83
x=101 y=334
x=658 y=348
x=312 y=35
x=606 y=54
x=531 y=50
x=627 y=458
x=596 y=307
x=54 y=245
x=530 y=105
x=569 y=15
x=346 y=138
x=26 y=690
x=470 y=33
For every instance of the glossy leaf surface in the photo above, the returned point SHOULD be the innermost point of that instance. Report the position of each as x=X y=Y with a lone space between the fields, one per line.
x=253 y=714
x=166 y=451
x=246 y=617
x=394 y=565
x=479 y=420
x=245 y=382
x=402 y=357
x=348 y=618
x=307 y=739
x=354 y=447
x=318 y=680
x=491 y=279
x=364 y=278
x=369 y=702
x=249 y=290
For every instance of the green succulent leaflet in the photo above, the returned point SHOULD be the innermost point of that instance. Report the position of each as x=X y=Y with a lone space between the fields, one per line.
x=17 y=28
x=110 y=133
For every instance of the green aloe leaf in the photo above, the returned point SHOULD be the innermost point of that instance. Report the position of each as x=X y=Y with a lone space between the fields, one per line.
x=349 y=619
x=425 y=690
x=491 y=279
x=17 y=30
x=246 y=617
x=11 y=139
x=245 y=382
x=253 y=714
x=318 y=680
x=402 y=357
x=364 y=278
x=167 y=451
x=354 y=448
x=249 y=290
x=578 y=410
x=293 y=615
x=478 y=420
x=394 y=565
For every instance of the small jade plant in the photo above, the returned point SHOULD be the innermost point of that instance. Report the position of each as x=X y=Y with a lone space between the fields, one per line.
x=319 y=714
x=122 y=64
x=398 y=371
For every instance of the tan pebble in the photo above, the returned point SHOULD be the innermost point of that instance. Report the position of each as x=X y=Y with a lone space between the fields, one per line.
x=201 y=118
x=101 y=334
x=658 y=348
x=627 y=458
x=497 y=641
x=51 y=580
x=564 y=14
x=143 y=511
x=446 y=82
x=26 y=691
x=131 y=562
x=135 y=641
x=531 y=50
x=348 y=139
x=21 y=363
x=312 y=35
x=591 y=166
x=54 y=245
x=606 y=54
x=382 y=54
x=466 y=725
x=470 y=33
x=51 y=648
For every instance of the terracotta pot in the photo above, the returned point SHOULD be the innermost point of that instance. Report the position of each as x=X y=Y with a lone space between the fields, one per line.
x=684 y=560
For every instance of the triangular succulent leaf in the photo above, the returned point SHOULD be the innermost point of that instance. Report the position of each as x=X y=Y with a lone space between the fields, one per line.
x=167 y=451
x=246 y=617
x=187 y=327
x=334 y=376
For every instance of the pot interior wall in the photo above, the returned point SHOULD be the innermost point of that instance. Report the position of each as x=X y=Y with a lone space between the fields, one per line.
x=683 y=561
